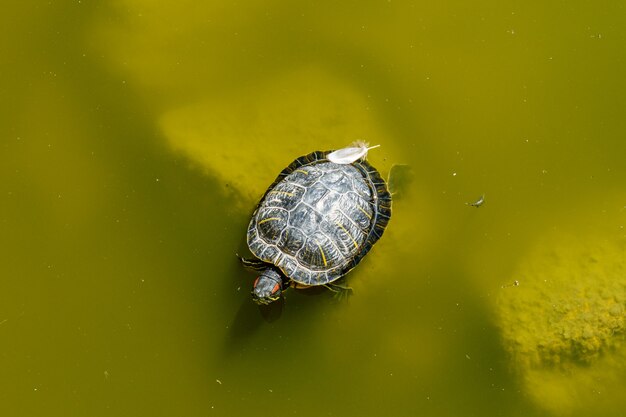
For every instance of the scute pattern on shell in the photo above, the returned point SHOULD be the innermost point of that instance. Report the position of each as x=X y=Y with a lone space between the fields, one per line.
x=319 y=218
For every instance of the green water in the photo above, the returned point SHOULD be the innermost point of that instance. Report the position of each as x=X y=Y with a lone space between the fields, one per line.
x=136 y=138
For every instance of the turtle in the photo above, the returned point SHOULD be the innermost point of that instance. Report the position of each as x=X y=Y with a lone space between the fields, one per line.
x=314 y=224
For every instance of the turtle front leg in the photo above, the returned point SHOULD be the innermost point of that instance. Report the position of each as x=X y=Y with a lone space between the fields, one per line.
x=341 y=290
x=252 y=264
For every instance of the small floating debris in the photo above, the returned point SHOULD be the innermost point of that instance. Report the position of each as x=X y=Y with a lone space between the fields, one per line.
x=478 y=202
x=513 y=284
x=350 y=154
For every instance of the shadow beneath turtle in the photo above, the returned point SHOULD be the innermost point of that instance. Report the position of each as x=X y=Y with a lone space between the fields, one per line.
x=247 y=321
x=272 y=312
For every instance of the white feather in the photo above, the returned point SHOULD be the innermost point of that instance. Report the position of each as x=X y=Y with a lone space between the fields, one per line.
x=350 y=154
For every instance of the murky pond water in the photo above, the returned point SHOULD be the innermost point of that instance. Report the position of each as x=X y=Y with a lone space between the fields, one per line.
x=137 y=138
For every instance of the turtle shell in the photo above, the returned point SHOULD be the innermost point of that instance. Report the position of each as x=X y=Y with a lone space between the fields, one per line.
x=319 y=219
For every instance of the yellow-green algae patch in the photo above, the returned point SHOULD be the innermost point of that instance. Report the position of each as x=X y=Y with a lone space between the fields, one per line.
x=246 y=139
x=564 y=324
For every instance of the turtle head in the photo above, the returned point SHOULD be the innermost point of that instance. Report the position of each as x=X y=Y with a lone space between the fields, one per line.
x=267 y=287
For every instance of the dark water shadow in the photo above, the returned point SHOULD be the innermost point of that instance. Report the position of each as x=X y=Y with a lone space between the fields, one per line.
x=250 y=319
x=247 y=321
